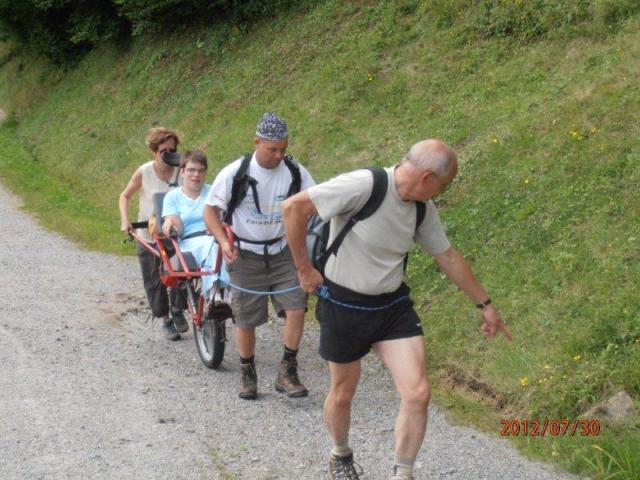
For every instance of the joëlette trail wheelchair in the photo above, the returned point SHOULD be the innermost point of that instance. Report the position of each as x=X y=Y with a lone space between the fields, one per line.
x=209 y=311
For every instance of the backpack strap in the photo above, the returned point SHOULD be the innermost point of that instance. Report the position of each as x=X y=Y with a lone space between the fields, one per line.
x=242 y=181
x=175 y=182
x=238 y=188
x=378 y=192
x=296 y=178
x=421 y=211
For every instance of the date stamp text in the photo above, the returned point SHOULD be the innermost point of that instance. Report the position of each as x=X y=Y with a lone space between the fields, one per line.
x=553 y=427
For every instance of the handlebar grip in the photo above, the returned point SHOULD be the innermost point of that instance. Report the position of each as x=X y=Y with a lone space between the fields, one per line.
x=231 y=238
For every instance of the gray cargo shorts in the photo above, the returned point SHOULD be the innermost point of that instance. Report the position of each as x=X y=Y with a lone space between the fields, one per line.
x=250 y=271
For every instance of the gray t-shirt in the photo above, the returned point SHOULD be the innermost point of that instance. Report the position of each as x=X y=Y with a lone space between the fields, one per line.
x=370 y=259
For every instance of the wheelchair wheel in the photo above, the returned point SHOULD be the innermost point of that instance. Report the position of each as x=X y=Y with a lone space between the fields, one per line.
x=210 y=341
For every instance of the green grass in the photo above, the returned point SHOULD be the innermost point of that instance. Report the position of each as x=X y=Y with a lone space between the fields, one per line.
x=545 y=205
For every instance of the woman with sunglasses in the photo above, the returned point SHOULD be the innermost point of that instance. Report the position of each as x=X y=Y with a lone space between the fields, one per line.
x=152 y=177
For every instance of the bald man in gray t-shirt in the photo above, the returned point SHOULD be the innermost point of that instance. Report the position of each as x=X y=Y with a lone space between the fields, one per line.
x=369 y=305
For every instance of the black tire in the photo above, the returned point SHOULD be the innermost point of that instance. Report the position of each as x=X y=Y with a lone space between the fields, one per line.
x=210 y=341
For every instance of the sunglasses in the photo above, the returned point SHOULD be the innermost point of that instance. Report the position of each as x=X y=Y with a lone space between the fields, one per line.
x=170 y=150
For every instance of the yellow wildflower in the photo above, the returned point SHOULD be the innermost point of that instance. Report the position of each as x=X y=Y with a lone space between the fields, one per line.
x=524 y=381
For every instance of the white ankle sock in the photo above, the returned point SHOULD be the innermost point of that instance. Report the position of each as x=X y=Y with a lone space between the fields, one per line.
x=341 y=450
x=403 y=465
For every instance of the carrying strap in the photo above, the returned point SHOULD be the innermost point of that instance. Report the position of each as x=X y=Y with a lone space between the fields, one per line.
x=175 y=183
x=421 y=211
x=265 y=246
x=378 y=192
x=195 y=234
x=242 y=181
x=296 y=178
x=238 y=188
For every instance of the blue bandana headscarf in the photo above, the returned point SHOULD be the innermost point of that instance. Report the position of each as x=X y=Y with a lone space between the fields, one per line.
x=272 y=127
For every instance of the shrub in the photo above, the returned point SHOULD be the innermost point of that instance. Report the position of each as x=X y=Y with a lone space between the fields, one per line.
x=528 y=19
x=62 y=29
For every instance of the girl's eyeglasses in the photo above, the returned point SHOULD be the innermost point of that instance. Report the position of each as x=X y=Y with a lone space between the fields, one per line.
x=199 y=171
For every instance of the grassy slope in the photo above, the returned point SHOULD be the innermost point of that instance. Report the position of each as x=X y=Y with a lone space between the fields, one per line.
x=545 y=205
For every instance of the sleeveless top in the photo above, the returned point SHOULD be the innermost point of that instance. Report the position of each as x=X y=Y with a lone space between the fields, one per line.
x=152 y=184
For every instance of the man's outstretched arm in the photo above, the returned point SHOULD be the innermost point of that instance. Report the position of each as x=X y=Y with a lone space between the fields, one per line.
x=453 y=264
x=296 y=211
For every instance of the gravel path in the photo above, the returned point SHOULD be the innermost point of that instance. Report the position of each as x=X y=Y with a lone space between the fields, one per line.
x=90 y=389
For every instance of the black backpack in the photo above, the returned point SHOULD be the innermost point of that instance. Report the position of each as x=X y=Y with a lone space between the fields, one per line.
x=242 y=181
x=318 y=230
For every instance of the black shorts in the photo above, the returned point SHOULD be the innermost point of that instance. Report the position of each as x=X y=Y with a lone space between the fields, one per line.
x=347 y=334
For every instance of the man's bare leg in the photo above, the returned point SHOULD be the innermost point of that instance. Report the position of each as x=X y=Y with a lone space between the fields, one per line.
x=337 y=405
x=405 y=359
x=246 y=342
x=293 y=326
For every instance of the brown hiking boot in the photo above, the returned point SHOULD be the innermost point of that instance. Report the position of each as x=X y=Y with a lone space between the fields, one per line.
x=343 y=468
x=288 y=380
x=248 y=382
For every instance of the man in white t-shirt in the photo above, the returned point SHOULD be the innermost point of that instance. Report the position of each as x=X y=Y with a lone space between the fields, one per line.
x=367 y=273
x=250 y=192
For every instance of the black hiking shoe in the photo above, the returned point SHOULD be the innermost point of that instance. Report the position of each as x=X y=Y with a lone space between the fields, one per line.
x=248 y=389
x=288 y=381
x=169 y=330
x=343 y=468
x=179 y=320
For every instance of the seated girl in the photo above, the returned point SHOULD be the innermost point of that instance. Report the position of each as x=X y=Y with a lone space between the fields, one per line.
x=183 y=209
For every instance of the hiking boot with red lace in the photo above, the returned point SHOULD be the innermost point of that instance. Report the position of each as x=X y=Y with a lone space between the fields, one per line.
x=288 y=381
x=343 y=468
x=248 y=389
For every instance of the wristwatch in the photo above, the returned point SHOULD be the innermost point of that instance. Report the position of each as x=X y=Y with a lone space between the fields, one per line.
x=483 y=304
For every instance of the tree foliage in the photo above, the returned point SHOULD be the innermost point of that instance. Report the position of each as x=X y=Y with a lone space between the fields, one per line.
x=64 y=29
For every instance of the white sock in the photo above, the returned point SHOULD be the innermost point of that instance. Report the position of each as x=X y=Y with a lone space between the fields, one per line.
x=341 y=450
x=403 y=465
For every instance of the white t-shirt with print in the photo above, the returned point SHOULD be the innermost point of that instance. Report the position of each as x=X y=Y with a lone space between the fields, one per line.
x=371 y=256
x=272 y=187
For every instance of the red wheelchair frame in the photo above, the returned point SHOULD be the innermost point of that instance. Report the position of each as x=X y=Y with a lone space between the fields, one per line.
x=215 y=337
